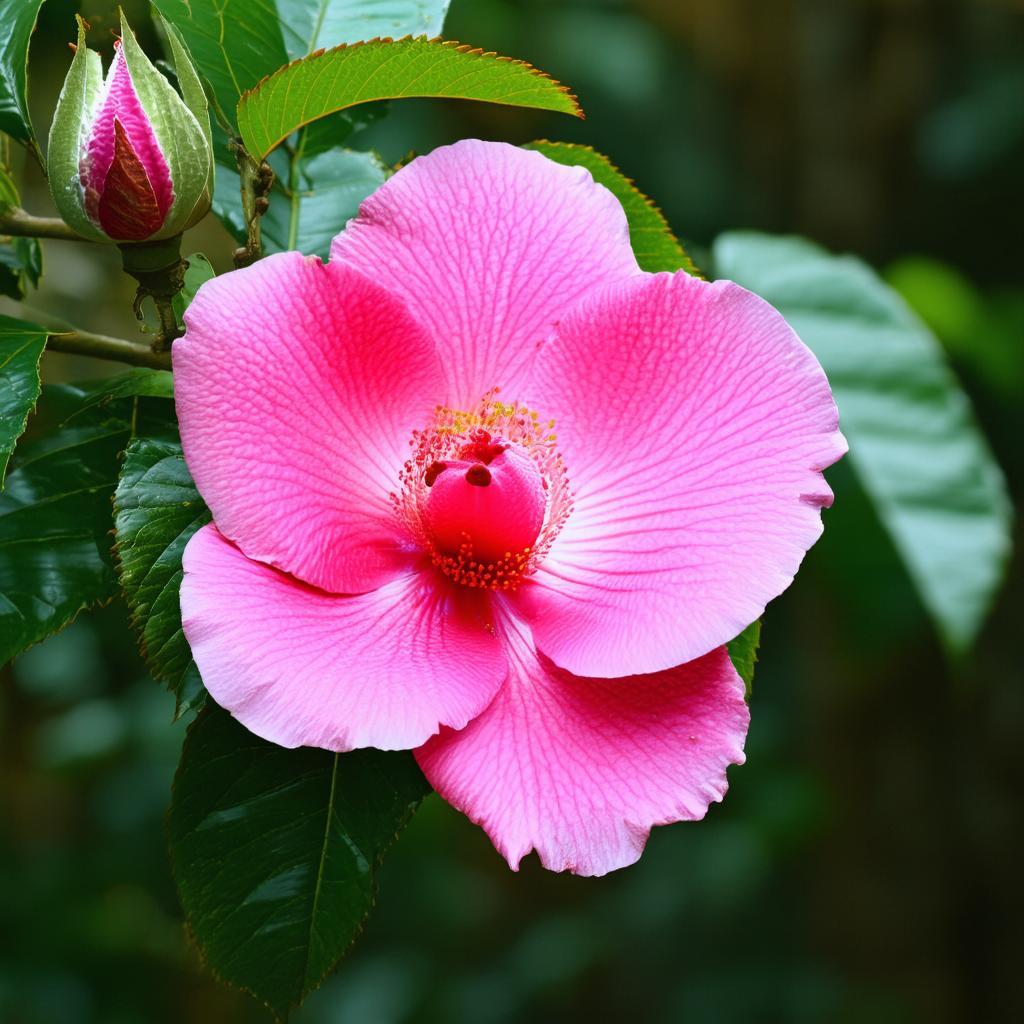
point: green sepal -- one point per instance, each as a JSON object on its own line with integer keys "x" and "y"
{"x": 193, "y": 94}
{"x": 183, "y": 138}
{"x": 75, "y": 108}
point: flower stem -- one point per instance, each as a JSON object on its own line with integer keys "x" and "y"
{"x": 257, "y": 179}
{"x": 100, "y": 346}
{"x": 16, "y": 222}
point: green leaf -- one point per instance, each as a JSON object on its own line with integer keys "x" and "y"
{"x": 21, "y": 259}
{"x": 656, "y": 248}
{"x": 21, "y": 265}
{"x": 347, "y": 75}
{"x": 914, "y": 443}
{"x": 18, "y": 18}
{"x": 56, "y": 518}
{"x": 136, "y": 383}
{"x": 274, "y": 851}
{"x": 157, "y": 509}
{"x": 200, "y": 270}
{"x": 743, "y": 652}
{"x": 235, "y": 43}
{"x": 21, "y": 348}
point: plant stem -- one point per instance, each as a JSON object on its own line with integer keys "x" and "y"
{"x": 256, "y": 180}
{"x": 16, "y": 222}
{"x": 100, "y": 346}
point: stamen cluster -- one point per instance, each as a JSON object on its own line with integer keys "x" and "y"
{"x": 479, "y": 436}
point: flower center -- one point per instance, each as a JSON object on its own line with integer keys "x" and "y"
{"x": 485, "y": 492}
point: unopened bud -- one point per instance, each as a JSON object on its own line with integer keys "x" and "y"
{"x": 130, "y": 160}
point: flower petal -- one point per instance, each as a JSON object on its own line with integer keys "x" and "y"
{"x": 121, "y": 103}
{"x": 298, "y": 386}
{"x": 303, "y": 668}
{"x": 489, "y": 245}
{"x": 694, "y": 426}
{"x": 581, "y": 769}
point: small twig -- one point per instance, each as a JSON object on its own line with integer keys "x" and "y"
{"x": 15, "y": 221}
{"x": 100, "y": 346}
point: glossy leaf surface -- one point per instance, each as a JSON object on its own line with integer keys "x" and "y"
{"x": 21, "y": 348}
{"x": 56, "y": 517}
{"x": 18, "y": 18}
{"x": 274, "y": 851}
{"x": 157, "y": 509}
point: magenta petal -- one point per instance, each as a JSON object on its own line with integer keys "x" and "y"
{"x": 121, "y": 102}
{"x": 303, "y": 668}
{"x": 298, "y": 386}
{"x": 694, "y": 426}
{"x": 581, "y": 769}
{"x": 489, "y": 244}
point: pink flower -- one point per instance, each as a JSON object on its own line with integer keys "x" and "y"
{"x": 485, "y": 489}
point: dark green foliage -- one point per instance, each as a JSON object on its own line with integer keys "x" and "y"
{"x": 55, "y": 517}
{"x": 274, "y": 851}
{"x": 157, "y": 509}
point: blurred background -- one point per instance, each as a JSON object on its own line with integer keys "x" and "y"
{"x": 866, "y": 864}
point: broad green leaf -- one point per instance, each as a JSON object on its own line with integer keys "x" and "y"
{"x": 200, "y": 270}
{"x": 914, "y": 443}
{"x": 56, "y": 517}
{"x": 343, "y": 77}
{"x": 235, "y": 43}
{"x": 274, "y": 851}
{"x": 656, "y": 248}
{"x": 743, "y": 652}
{"x": 21, "y": 348}
{"x": 18, "y": 18}
{"x": 156, "y": 510}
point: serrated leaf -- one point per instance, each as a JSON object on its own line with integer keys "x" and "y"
{"x": 743, "y": 652}
{"x": 914, "y": 443}
{"x": 333, "y": 80}
{"x": 18, "y": 18}
{"x": 156, "y": 510}
{"x": 235, "y": 43}
{"x": 656, "y": 247}
{"x": 274, "y": 851}
{"x": 56, "y": 518}
{"x": 21, "y": 348}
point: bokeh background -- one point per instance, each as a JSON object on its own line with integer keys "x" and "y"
{"x": 866, "y": 865}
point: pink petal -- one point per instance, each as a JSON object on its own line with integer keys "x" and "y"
{"x": 581, "y": 769}
{"x": 298, "y": 387}
{"x": 303, "y": 668}
{"x": 694, "y": 426}
{"x": 120, "y": 101}
{"x": 489, "y": 245}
